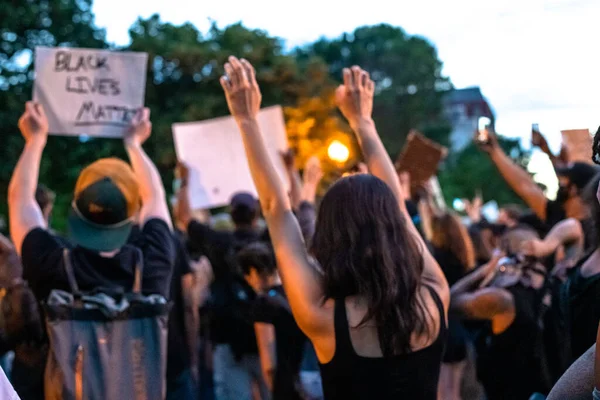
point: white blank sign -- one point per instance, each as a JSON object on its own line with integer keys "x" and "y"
{"x": 89, "y": 91}
{"x": 214, "y": 152}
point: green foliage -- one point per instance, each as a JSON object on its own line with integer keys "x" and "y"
{"x": 184, "y": 67}
{"x": 405, "y": 68}
{"x": 471, "y": 170}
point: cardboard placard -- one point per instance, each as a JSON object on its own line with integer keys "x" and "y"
{"x": 579, "y": 145}
{"x": 214, "y": 152}
{"x": 420, "y": 157}
{"x": 89, "y": 91}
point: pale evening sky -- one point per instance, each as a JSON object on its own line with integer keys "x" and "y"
{"x": 535, "y": 60}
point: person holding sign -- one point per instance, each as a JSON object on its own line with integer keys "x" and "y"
{"x": 109, "y": 196}
{"x": 375, "y": 309}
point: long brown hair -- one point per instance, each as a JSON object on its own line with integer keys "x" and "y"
{"x": 450, "y": 234}
{"x": 364, "y": 246}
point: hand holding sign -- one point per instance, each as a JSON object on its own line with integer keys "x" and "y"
{"x": 140, "y": 128}
{"x": 89, "y": 91}
{"x": 241, "y": 90}
{"x": 33, "y": 123}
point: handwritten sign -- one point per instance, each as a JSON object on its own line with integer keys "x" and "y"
{"x": 214, "y": 152}
{"x": 579, "y": 145}
{"x": 420, "y": 157}
{"x": 88, "y": 91}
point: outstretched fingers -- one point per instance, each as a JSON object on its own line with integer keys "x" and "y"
{"x": 239, "y": 72}
{"x": 250, "y": 72}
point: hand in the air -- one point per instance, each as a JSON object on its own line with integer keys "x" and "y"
{"x": 289, "y": 159}
{"x": 491, "y": 144}
{"x": 313, "y": 173}
{"x": 355, "y": 97}
{"x": 241, "y": 90}
{"x": 140, "y": 128}
{"x": 33, "y": 123}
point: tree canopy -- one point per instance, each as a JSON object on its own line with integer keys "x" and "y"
{"x": 184, "y": 66}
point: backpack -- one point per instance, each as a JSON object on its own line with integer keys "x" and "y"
{"x": 105, "y": 344}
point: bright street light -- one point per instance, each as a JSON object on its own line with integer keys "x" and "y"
{"x": 338, "y": 152}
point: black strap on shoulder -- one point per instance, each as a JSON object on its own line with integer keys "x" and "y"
{"x": 69, "y": 270}
{"x": 440, "y": 305}
{"x": 343, "y": 343}
{"x": 138, "y": 271}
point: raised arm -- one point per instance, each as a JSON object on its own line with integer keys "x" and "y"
{"x": 355, "y": 100}
{"x": 152, "y": 191}
{"x": 568, "y": 233}
{"x": 24, "y": 212}
{"x": 301, "y": 281}
{"x": 517, "y": 178}
{"x": 289, "y": 160}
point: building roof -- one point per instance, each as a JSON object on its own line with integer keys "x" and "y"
{"x": 466, "y": 95}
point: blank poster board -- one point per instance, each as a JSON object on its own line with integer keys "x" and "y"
{"x": 420, "y": 157}
{"x": 89, "y": 91}
{"x": 579, "y": 145}
{"x": 214, "y": 152}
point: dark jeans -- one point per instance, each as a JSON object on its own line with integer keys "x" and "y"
{"x": 182, "y": 387}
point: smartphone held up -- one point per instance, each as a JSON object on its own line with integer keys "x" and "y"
{"x": 484, "y": 125}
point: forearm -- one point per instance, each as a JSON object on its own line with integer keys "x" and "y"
{"x": 192, "y": 324}
{"x": 184, "y": 209}
{"x": 150, "y": 184}
{"x": 26, "y": 173}
{"x": 271, "y": 191}
{"x": 468, "y": 283}
{"x": 377, "y": 158}
{"x": 295, "y": 188}
{"x": 520, "y": 182}
{"x": 309, "y": 192}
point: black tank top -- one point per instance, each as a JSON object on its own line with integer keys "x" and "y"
{"x": 510, "y": 365}
{"x": 408, "y": 376}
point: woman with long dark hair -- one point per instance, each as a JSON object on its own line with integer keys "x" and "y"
{"x": 373, "y": 301}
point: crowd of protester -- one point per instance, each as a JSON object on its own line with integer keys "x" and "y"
{"x": 373, "y": 291}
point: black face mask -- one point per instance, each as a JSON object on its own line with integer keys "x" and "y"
{"x": 563, "y": 194}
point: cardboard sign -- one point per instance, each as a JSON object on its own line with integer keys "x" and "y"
{"x": 88, "y": 91}
{"x": 214, "y": 152}
{"x": 420, "y": 157}
{"x": 579, "y": 145}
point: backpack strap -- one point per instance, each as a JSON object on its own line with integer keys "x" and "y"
{"x": 69, "y": 270}
{"x": 138, "y": 272}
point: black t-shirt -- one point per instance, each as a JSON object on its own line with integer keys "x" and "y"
{"x": 43, "y": 267}
{"x": 178, "y": 351}
{"x": 273, "y": 308}
{"x": 451, "y": 266}
{"x": 584, "y": 309}
{"x": 229, "y": 290}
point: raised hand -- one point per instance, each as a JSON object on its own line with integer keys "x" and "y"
{"x": 182, "y": 171}
{"x": 355, "y": 97}
{"x": 312, "y": 171}
{"x": 289, "y": 159}
{"x": 241, "y": 90}
{"x": 140, "y": 128}
{"x": 33, "y": 123}
{"x": 491, "y": 144}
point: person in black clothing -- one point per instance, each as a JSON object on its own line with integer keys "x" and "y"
{"x": 109, "y": 195}
{"x": 506, "y": 294}
{"x": 272, "y": 310}
{"x": 236, "y": 362}
{"x": 572, "y": 180}
{"x": 453, "y": 250}
{"x": 372, "y": 299}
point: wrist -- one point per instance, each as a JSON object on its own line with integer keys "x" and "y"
{"x": 245, "y": 120}
{"x": 361, "y": 122}
{"x": 131, "y": 144}
{"x": 36, "y": 141}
